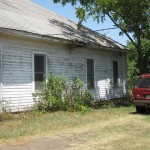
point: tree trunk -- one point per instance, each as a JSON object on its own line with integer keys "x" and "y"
{"x": 141, "y": 63}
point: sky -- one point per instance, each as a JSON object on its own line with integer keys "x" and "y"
{"x": 68, "y": 11}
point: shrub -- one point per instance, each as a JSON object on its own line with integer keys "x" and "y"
{"x": 61, "y": 93}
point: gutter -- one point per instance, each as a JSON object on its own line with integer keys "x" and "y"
{"x": 72, "y": 43}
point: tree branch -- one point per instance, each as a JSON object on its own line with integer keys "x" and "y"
{"x": 122, "y": 30}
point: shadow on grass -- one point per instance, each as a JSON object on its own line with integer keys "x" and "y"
{"x": 147, "y": 112}
{"x": 117, "y": 102}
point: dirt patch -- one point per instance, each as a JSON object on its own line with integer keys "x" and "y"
{"x": 45, "y": 143}
{"x": 74, "y": 139}
{"x": 119, "y": 133}
{"x": 62, "y": 142}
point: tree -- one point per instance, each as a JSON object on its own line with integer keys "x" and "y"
{"x": 131, "y": 16}
{"x": 133, "y": 69}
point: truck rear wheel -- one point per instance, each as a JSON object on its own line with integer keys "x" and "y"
{"x": 140, "y": 109}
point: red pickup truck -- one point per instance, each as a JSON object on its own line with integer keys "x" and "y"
{"x": 141, "y": 93}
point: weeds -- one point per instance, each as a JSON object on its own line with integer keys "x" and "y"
{"x": 61, "y": 93}
{"x": 5, "y": 116}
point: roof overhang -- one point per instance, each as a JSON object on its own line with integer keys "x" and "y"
{"x": 70, "y": 43}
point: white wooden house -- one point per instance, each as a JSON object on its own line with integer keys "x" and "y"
{"x": 35, "y": 41}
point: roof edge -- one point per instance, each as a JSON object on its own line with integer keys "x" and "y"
{"x": 71, "y": 43}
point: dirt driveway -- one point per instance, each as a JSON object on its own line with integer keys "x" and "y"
{"x": 62, "y": 141}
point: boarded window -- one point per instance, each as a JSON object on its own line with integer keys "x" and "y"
{"x": 39, "y": 71}
{"x": 90, "y": 73}
{"x": 115, "y": 73}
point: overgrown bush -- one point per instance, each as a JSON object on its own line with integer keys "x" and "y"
{"x": 61, "y": 93}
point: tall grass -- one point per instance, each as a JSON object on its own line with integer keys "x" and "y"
{"x": 30, "y": 124}
{"x": 106, "y": 128}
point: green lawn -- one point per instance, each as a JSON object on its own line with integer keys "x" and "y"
{"x": 108, "y": 128}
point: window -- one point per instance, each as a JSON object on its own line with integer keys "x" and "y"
{"x": 115, "y": 73}
{"x": 90, "y": 73}
{"x": 143, "y": 82}
{"x": 39, "y": 71}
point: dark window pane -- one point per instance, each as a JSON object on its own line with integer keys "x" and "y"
{"x": 115, "y": 72}
{"x": 39, "y": 63}
{"x": 143, "y": 83}
{"x": 39, "y": 77}
{"x": 90, "y": 73}
{"x": 90, "y": 81}
{"x": 90, "y": 66}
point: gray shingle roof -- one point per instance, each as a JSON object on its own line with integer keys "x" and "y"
{"x": 24, "y": 15}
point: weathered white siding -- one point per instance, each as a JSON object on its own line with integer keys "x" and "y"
{"x": 17, "y": 69}
{"x": 17, "y": 76}
{"x": 0, "y": 75}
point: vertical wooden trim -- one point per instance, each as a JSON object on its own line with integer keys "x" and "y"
{"x": 1, "y": 70}
{"x": 33, "y": 85}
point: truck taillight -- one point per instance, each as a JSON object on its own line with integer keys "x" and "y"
{"x": 137, "y": 97}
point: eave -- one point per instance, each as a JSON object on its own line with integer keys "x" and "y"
{"x": 70, "y": 43}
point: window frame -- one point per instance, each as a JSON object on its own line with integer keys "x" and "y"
{"x": 93, "y": 73}
{"x": 33, "y": 68}
{"x": 115, "y": 85}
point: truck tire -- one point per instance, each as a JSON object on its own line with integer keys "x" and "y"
{"x": 140, "y": 109}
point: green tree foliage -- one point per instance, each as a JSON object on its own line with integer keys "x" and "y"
{"x": 131, "y": 16}
{"x": 133, "y": 69}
